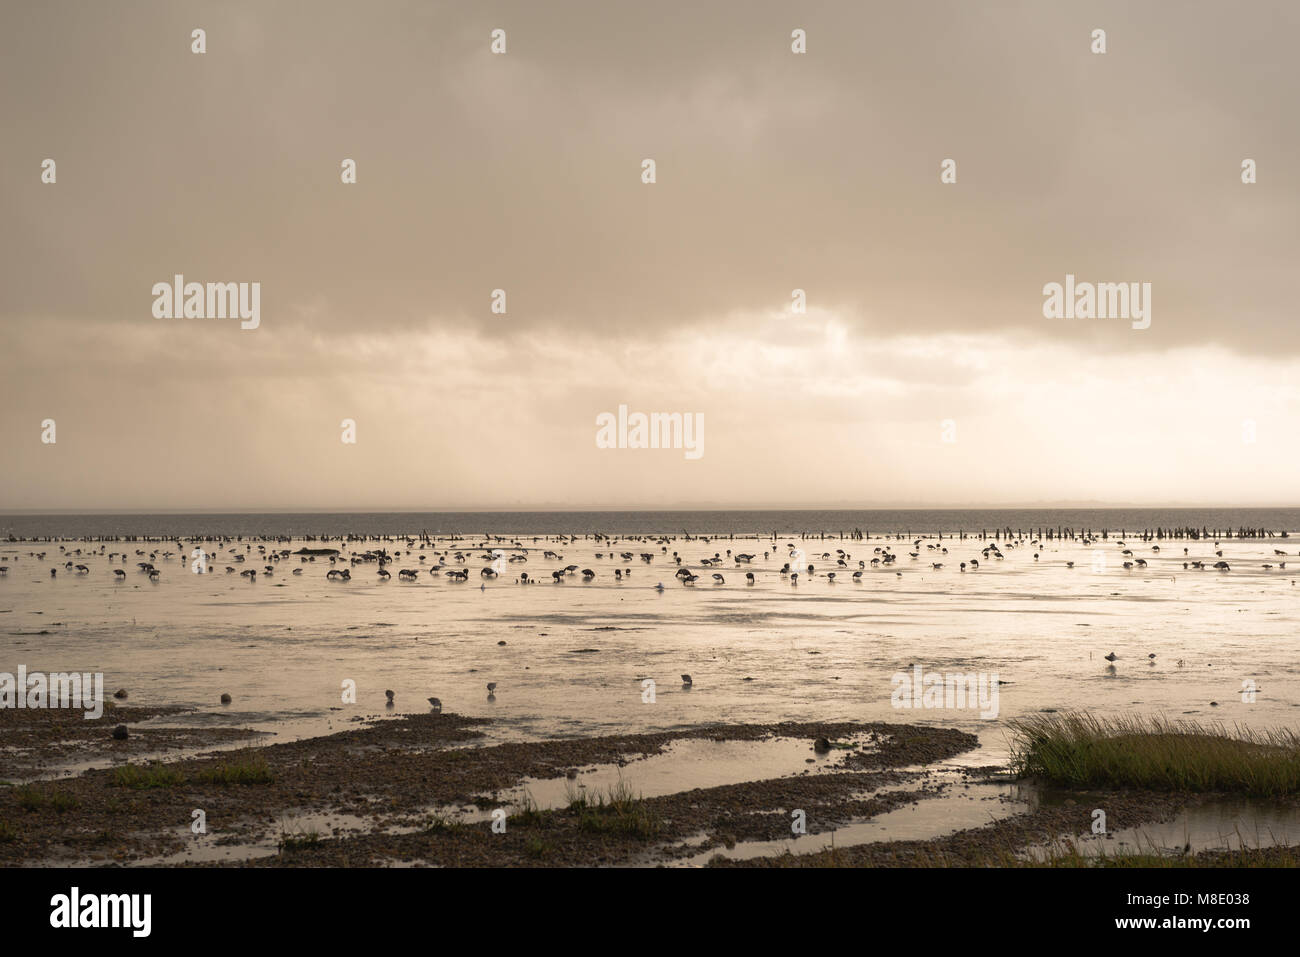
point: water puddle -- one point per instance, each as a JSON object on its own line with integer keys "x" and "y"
{"x": 1221, "y": 825}
{"x": 686, "y": 765}
{"x": 957, "y": 808}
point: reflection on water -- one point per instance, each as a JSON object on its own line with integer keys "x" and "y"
{"x": 570, "y": 658}
{"x": 1216, "y": 825}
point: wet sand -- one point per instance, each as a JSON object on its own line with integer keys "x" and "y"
{"x": 428, "y": 790}
{"x": 38, "y": 743}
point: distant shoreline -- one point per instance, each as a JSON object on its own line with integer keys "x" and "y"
{"x": 852, "y": 524}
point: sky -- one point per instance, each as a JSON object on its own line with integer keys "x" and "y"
{"x": 923, "y": 371}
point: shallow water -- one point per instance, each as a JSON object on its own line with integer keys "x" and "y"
{"x": 933, "y": 817}
{"x": 1214, "y": 826}
{"x": 576, "y": 653}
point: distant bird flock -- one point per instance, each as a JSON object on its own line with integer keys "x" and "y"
{"x": 487, "y": 561}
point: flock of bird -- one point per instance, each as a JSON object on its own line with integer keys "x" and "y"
{"x": 454, "y": 565}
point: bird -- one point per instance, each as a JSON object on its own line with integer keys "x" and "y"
{"x": 1111, "y": 657}
{"x": 436, "y": 704}
{"x": 491, "y": 686}
{"x": 686, "y": 681}
{"x": 390, "y": 696}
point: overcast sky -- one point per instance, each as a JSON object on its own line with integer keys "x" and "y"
{"x": 522, "y": 171}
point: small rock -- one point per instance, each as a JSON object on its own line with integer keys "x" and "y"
{"x": 120, "y": 733}
{"x": 119, "y": 693}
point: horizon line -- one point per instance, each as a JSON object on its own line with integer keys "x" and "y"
{"x": 499, "y": 510}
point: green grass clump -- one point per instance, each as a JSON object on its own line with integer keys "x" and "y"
{"x": 301, "y": 841}
{"x": 619, "y": 811}
{"x": 538, "y": 848}
{"x": 527, "y": 812}
{"x": 442, "y": 824}
{"x": 143, "y": 777}
{"x": 32, "y": 798}
{"x": 252, "y": 770}
{"x": 1080, "y": 750}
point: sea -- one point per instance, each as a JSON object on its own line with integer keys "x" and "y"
{"x": 607, "y": 653}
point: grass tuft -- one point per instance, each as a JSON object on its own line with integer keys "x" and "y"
{"x": 252, "y": 770}
{"x": 302, "y": 841}
{"x": 442, "y": 824}
{"x": 527, "y": 812}
{"x": 1077, "y": 750}
{"x": 538, "y": 848}
{"x": 619, "y": 811}
{"x": 142, "y": 777}
{"x": 32, "y": 798}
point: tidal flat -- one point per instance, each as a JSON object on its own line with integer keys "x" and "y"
{"x": 433, "y": 790}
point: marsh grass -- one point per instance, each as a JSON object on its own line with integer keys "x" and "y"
{"x": 143, "y": 777}
{"x": 442, "y": 824}
{"x": 298, "y": 842}
{"x": 33, "y": 798}
{"x": 251, "y": 770}
{"x": 538, "y": 848}
{"x": 297, "y": 839}
{"x": 1080, "y": 750}
{"x": 618, "y": 811}
{"x": 527, "y": 811}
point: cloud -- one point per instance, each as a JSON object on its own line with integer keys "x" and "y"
{"x": 522, "y": 172}
{"x": 798, "y": 410}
